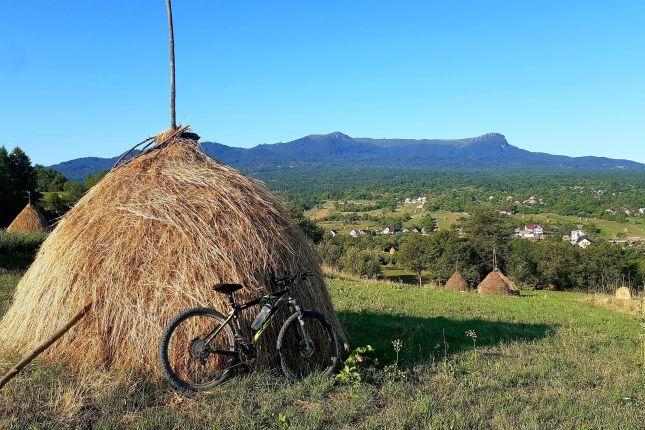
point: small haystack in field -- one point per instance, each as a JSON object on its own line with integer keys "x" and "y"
{"x": 551, "y": 287}
{"x": 28, "y": 221}
{"x": 623, "y": 293}
{"x": 457, "y": 283}
{"x": 149, "y": 241}
{"x": 496, "y": 283}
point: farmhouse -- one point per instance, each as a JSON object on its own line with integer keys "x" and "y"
{"x": 576, "y": 236}
{"x": 531, "y": 231}
{"x": 390, "y": 229}
{"x": 333, "y": 233}
{"x": 530, "y": 201}
{"x": 584, "y": 243}
{"x": 353, "y": 233}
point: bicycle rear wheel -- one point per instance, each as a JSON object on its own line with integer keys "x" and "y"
{"x": 307, "y": 346}
{"x": 186, "y": 360}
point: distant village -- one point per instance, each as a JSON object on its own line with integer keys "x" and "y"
{"x": 530, "y": 231}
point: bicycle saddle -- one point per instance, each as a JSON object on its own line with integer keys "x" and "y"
{"x": 227, "y": 288}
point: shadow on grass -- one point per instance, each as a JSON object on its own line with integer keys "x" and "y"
{"x": 423, "y": 338}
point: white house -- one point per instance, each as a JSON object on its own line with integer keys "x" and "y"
{"x": 353, "y": 233}
{"x": 530, "y": 201}
{"x": 333, "y": 233}
{"x": 506, "y": 211}
{"x": 536, "y": 229}
{"x": 576, "y": 236}
{"x": 531, "y": 231}
{"x": 584, "y": 242}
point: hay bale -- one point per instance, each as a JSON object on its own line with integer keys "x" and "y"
{"x": 496, "y": 283}
{"x": 551, "y": 287}
{"x": 28, "y": 221}
{"x": 148, "y": 241}
{"x": 623, "y": 293}
{"x": 456, "y": 283}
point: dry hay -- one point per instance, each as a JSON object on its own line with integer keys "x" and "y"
{"x": 148, "y": 241}
{"x": 496, "y": 283}
{"x": 623, "y": 293}
{"x": 457, "y": 283}
{"x": 28, "y": 221}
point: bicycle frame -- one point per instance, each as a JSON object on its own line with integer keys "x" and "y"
{"x": 284, "y": 298}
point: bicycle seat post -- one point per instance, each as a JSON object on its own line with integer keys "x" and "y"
{"x": 231, "y": 300}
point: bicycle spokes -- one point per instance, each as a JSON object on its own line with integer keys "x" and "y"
{"x": 193, "y": 359}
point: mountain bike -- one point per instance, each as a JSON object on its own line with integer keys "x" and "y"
{"x": 201, "y": 347}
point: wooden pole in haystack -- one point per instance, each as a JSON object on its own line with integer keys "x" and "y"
{"x": 43, "y": 346}
{"x": 173, "y": 122}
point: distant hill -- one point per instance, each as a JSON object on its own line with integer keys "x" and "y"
{"x": 337, "y": 149}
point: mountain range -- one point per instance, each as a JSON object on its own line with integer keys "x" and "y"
{"x": 490, "y": 150}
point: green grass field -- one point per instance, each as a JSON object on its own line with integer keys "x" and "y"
{"x": 545, "y": 360}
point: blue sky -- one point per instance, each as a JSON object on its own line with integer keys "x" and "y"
{"x": 90, "y": 77}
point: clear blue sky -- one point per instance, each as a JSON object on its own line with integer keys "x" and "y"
{"x": 90, "y": 77}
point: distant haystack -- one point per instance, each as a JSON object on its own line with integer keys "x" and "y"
{"x": 149, "y": 241}
{"x": 623, "y": 293}
{"x": 28, "y": 221}
{"x": 497, "y": 283}
{"x": 456, "y": 283}
{"x": 551, "y": 287}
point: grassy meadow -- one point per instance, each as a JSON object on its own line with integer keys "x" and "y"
{"x": 543, "y": 360}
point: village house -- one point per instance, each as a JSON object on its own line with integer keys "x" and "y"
{"x": 421, "y": 200}
{"x": 390, "y": 229}
{"x": 576, "y": 235}
{"x": 530, "y": 201}
{"x": 353, "y": 233}
{"x": 333, "y": 233}
{"x": 506, "y": 211}
{"x": 584, "y": 243}
{"x": 531, "y": 232}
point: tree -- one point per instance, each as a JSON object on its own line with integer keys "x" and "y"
{"x": 48, "y": 179}
{"x": 24, "y": 178}
{"x": 91, "y": 180}
{"x": 308, "y": 227}
{"x": 413, "y": 254}
{"x": 448, "y": 253}
{"x": 361, "y": 262}
{"x": 331, "y": 254}
{"x": 489, "y": 231}
{"x": 6, "y": 189}
{"x": 428, "y": 222}
{"x": 18, "y": 179}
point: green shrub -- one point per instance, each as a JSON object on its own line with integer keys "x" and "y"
{"x": 17, "y": 251}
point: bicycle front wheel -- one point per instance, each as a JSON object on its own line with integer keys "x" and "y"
{"x": 192, "y": 357}
{"x": 307, "y": 345}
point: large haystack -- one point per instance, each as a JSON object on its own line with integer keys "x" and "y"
{"x": 457, "y": 283}
{"x": 496, "y": 283}
{"x": 149, "y": 241}
{"x": 28, "y": 221}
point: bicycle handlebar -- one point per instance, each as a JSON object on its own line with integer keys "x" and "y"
{"x": 289, "y": 279}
